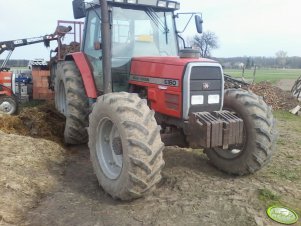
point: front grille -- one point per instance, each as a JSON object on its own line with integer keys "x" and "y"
{"x": 206, "y": 80}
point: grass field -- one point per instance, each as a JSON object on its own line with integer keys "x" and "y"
{"x": 271, "y": 75}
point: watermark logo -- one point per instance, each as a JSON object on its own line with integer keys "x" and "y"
{"x": 282, "y": 215}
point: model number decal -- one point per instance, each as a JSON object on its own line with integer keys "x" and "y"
{"x": 159, "y": 81}
{"x": 171, "y": 82}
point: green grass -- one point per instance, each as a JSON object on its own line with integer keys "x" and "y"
{"x": 287, "y": 174}
{"x": 285, "y": 115}
{"x": 294, "y": 120}
{"x": 267, "y": 195}
{"x": 271, "y": 75}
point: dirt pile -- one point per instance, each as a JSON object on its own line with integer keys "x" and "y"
{"x": 274, "y": 96}
{"x": 39, "y": 122}
{"x": 29, "y": 169}
{"x": 66, "y": 49}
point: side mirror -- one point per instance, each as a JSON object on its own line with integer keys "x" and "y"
{"x": 199, "y": 24}
{"x": 79, "y": 10}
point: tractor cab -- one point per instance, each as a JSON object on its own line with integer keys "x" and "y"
{"x": 137, "y": 29}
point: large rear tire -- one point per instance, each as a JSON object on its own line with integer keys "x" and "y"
{"x": 125, "y": 145}
{"x": 259, "y": 135}
{"x": 71, "y": 100}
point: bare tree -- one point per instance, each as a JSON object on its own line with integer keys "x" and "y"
{"x": 281, "y": 58}
{"x": 206, "y": 42}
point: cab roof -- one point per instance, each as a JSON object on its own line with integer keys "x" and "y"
{"x": 171, "y": 5}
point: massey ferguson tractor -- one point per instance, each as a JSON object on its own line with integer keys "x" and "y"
{"x": 130, "y": 91}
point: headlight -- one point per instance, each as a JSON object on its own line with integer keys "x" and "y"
{"x": 197, "y": 99}
{"x": 172, "y": 5}
{"x": 162, "y": 3}
{"x": 213, "y": 99}
{"x": 132, "y": 1}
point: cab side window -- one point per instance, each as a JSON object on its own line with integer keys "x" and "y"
{"x": 92, "y": 47}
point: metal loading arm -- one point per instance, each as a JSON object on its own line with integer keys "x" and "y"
{"x": 10, "y": 45}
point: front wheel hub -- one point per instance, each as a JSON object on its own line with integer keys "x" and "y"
{"x": 109, "y": 149}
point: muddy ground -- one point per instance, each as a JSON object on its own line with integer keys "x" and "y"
{"x": 192, "y": 191}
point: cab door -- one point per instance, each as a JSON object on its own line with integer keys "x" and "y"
{"x": 92, "y": 46}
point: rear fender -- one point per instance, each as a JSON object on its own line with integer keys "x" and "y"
{"x": 4, "y": 91}
{"x": 85, "y": 69}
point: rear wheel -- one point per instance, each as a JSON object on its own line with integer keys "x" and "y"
{"x": 259, "y": 135}
{"x": 125, "y": 145}
{"x": 72, "y": 101}
{"x": 8, "y": 105}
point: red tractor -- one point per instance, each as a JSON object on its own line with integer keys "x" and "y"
{"x": 136, "y": 92}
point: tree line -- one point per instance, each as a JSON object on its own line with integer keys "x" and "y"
{"x": 208, "y": 41}
{"x": 263, "y": 62}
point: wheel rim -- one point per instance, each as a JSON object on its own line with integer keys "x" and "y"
{"x": 7, "y": 107}
{"x": 231, "y": 153}
{"x": 62, "y": 99}
{"x": 109, "y": 149}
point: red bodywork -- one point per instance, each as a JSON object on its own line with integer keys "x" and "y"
{"x": 6, "y": 83}
{"x": 164, "y": 98}
{"x": 85, "y": 69}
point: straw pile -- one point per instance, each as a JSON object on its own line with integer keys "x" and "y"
{"x": 39, "y": 122}
{"x": 29, "y": 167}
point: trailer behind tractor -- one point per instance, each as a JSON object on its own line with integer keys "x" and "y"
{"x": 136, "y": 91}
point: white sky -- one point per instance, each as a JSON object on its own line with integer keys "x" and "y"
{"x": 244, "y": 27}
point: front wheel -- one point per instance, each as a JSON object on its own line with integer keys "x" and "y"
{"x": 259, "y": 136}
{"x": 125, "y": 145}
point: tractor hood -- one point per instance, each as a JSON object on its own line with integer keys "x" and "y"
{"x": 163, "y": 67}
{"x": 167, "y": 80}
{"x": 171, "y": 60}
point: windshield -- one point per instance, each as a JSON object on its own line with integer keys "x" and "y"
{"x": 142, "y": 33}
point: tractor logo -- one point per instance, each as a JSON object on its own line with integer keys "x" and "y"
{"x": 205, "y": 85}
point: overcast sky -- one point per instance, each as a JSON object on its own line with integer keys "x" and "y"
{"x": 244, "y": 27}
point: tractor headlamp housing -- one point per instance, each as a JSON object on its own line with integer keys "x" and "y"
{"x": 162, "y": 4}
{"x": 197, "y": 99}
{"x": 172, "y": 5}
{"x": 132, "y": 1}
{"x": 214, "y": 99}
